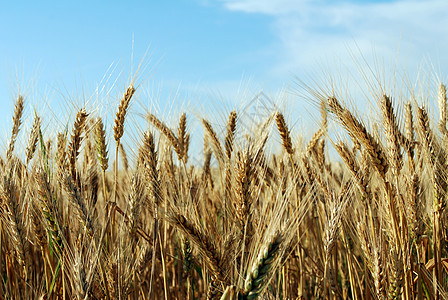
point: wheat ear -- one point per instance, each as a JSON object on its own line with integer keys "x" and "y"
{"x": 437, "y": 159}
{"x": 151, "y": 172}
{"x": 48, "y": 209}
{"x": 359, "y": 133}
{"x": 215, "y": 144}
{"x": 75, "y": 142}
{"x": 79, "y": 203}
{"x": 353, "y": 166}
{"x": 393, "y": 134}
{"x": 230, "y": 136}
{"x": 205, "y": 245}
{"x": 168, "y": 133}
{"x": 150, "y": 161}
{"x": 101, "y": 146}
{"x": 17, "y": 121}
{"x": 32, "y": 142}
{"x": 244, "y": 177}
{"x": 183, "y": 137}
{"x": 258, "y": 277}
{"x": 12, "y": 216}
{"x": 396, "y": 276}
{"x": 410, "y": 144}
{"x": 442, "y": 108}
{"x": 135, "y": 200}
{"x": 119, "y": 129}
{"x": 121, "y": 113}
{"x": 284, "y": 133}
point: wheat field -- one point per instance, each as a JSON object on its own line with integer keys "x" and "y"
{"x": 261, "y": 216}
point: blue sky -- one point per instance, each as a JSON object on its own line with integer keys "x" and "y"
{"x": 60, "y": 51}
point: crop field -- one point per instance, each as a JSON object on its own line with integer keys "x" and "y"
{"x": 355, "y": 210}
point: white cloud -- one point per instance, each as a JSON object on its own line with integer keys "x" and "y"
{"x": 278, "y": 7}
{"x": 313, "y": 32}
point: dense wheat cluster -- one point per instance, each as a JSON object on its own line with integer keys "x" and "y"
{"x": 246, "y": 222}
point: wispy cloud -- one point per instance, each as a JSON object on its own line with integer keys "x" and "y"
{"x": 310, "y": 32}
